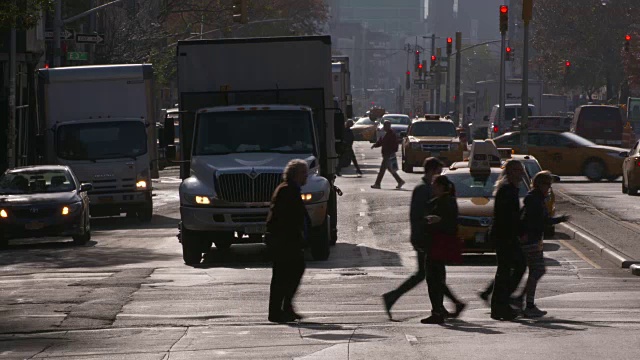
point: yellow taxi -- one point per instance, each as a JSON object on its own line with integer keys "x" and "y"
{"x": 567, "y": 154}
{"x": 631, "y": 170}
{"x": 475, "y": 182}
{"x": 429, "y": 137}
{"x": 364, "y": 129}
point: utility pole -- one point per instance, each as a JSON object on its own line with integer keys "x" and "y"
{"x": 11, "y": 128}
{"x": 448, "y": 73}
{"x": 437, "y": 74}
{"x": 527, "y": 12}
{"x": 504, "y": 26}
{"x": 57, "y": 28}
{"x": 457, "y": 80}
{"x": 433, "y": 91}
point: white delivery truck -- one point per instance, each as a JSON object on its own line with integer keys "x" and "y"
{"x": 553, "y": 104}
{"x": 99, "y": 121}
{"x": 342, "y": 84}
{"x": 241, "y": 124}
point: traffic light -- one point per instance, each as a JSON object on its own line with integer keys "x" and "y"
{"x": 626, "y": 42}
{"x": 433, "y": 61}
{"x": 408, "y": 80}
{"x": 508, "y": 54}
{"x": 420, "y": 69}
{"x": 567, "y": 69}
{"x": 449, "y": 46}
{"x": 504, "y": 18}
{"x": 240, "y": 11}
{"x": 417, "y": 60}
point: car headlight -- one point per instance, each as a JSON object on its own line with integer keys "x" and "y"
{"x": 70, "y": 209}
{"x": 313, "y": 196}
{"x": 203, "y": 200}
{"x": 141, "y": 184}
{"x": 3, "y": 214}
{"x": 415, "y": 146}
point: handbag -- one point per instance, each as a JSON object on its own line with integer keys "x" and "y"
{"x": 393, "y": 163}
{"x": 446, "y": 248}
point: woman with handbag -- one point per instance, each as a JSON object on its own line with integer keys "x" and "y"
{"x": 445, "y": 247}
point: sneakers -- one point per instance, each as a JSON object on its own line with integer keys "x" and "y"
{"x": 433, "y": 319}
{"x": 400, "y": 184}
{"x": 532, "y": 311}
{"x": 375, "y": 186}
{"x": 387, "y": 299}
{"x": 485, "y": 297}
{"x": 459, "y": 309}
{"x": 359, "y": 173}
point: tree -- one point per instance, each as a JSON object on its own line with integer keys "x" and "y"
{"x": 22, "y": 14}
{"x": 589, "y": 35}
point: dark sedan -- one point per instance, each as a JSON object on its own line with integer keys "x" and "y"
{"x": 42, "y": 201}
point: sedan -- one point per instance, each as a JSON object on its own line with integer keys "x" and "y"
{"x": 567, "y": 154}
{"x": 399, "y": 124}
{"x": 365, "y": 130}
{"x": 631, "y": 170}
{"x": 43, "y": 201}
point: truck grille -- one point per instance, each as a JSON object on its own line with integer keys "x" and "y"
{"x": 242, "y": 188}
{"x": 435, "y": 147}
{"x": 474, "y": 221}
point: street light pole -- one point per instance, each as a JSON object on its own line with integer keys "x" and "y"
{"x": 527, "y": 12}
{"x": 57, "y": 28}
{"x": 11, "y": 128}
{"x": 457, "y": 80}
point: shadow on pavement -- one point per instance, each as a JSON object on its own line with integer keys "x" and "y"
{"x": 347, "y": 333}
{"x": 126, "y": 223}
{"x": 552, "y": 323}
{"x": 463, "y": 326}
{"x": 550, "y": 247}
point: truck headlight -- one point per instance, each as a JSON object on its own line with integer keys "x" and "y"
{"x": 4, "y": 214}
{"x": 415, "y": 146}
{"x": 313, "y": 196}
{"x": 203, "y": 200}
{"x": 141, "y": 184}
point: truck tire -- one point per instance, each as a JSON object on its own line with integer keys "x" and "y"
{"x": 85, "y": 237}
{"x": 320, "y": 241}
{"x": 145, "y": 212}
{"x": 191, "y": 247}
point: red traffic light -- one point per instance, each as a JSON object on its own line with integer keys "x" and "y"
{"x": 419, "y": 66}
{"x": 417, "y": 52}
{"x": 567, "y": 63}
{"x": 508, "y": 49}
{"x": 504, "y": 9}
{"x": 628, "y": 37}
{"x": 449, "y": 40}
{"x": 433, "y": 58}
{"x": 408, "y": 72}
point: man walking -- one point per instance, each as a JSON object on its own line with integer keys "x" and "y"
{"x": 287, "y": 228}
{"x": 389, "y": 144}
{"x": 348, "y": 153}
{"x": 420, "y": 200}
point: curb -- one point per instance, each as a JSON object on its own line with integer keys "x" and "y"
{"x": 603, "y": 250}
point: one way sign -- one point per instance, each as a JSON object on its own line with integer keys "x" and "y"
{"x": 90, "y": 38}
{"x": 64, "y": 35}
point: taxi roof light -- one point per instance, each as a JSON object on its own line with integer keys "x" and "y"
{"x": 483, "y": 154}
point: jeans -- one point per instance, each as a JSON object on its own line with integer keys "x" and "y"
{"x": 511, "y": 268}
{"x": 535, "y": 263}
{"x": 412, "y": 281}
{"x": 352, "y": 156}
{"x": 386, "y": 165}
{"x": 286, "y": 275}
{"x": 438, "y": 289}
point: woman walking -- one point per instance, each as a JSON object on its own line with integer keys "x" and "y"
{"x": 442, "y": 224}
{"x": 505, "y": 232}
{"x": 534, "y": 220}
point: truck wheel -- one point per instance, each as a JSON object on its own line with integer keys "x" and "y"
{"x": 191, "y": 247}
{"x": 319, "y": 240}
{"x": 145, "y": 213}
{"x": 85, "y": 237}
{"x": 222, "y": 239}
{"x": 594, "y": 169}
{"x": 406, "y": 167}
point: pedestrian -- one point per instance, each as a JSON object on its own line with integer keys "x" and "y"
{"x": 420, "y": 207}
{"x": 535, "y": 219}
{"x": 348, "y": 153}
{"x": 287, "y": 228}
{"x": 389, "y": 144}
{"x": 442, "y": 224}
{"x": 505, "y": 232}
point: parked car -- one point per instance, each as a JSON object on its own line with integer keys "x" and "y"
{"x": 631, "y": 170}
{"x": 43, "y": 201}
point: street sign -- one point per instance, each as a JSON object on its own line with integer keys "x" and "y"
{"x": 76, "y": 55}
{"x": 420, "y": 82}
{"x": 90, "y": 38}
{"x": 66, "y": 34}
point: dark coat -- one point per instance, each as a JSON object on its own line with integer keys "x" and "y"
{"x": 535, "y": 217}
{"x": 389, "y": 143}
{"x": 506, "y": 216}
{"x": 287, "y": 220}
{"x": 347, "y": 137}
{"x": 446, "y": 208}
{"x": 420, "y": 207}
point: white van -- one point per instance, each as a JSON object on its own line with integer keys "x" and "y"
{"x": 511, "y": 111}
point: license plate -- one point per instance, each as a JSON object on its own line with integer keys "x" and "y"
{"x": 255, "y": 229}
{"x": 105, "y": 199}
{"x": 480, "y": 238}
{"x": 34, "y": 226}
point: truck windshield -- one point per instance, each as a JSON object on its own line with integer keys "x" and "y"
{"x": 433, "y": 128}
{"x": 283, "y": 131}
{"x": 101, "y": 140}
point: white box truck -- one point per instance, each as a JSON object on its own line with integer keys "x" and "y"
{"x": 342, "y": 84}
{"x": 241, "y": 124}
{"x": 99, "y": 120}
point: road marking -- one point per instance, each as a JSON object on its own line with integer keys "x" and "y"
{"x": 410, "y": 338}
{"x": 364, "y": 201}
{"x": 362, "y": 213}
{"x": 361, "y": 189}
{"x": 580, "y": 254}
{"x": 360, "y": 228}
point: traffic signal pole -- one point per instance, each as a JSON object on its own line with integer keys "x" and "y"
{"x": 433, "y": 91}
{"x": 504, "y": 23}
{"x": 456, "y": 110}
{"x": 527, "y": 11}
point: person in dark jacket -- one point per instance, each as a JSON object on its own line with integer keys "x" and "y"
{"x": 287, "y": 227}
{"x": 347, "y": 142}
{"x": 443, "y": 219}
{"x": 535, "y": 219}
{"x": 389, "y": 144}
{"x": 420, "y": 207}
{"x": 505, "y": 232}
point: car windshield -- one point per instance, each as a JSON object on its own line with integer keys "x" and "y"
{"x": 35, "y": 182}
{"x": 578, "y": 139}
{"x": 365, "y": 121}
{"x": 470, "y": 185}
{"x": 532, "y": 167}
{"x": 433, "y": 128}
{"x": 398, "y": 120}
{"x": 101, "y": 140}
{"x": 282, "y": 131}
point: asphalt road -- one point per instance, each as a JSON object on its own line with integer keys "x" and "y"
{"x": 127, "y": 294}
